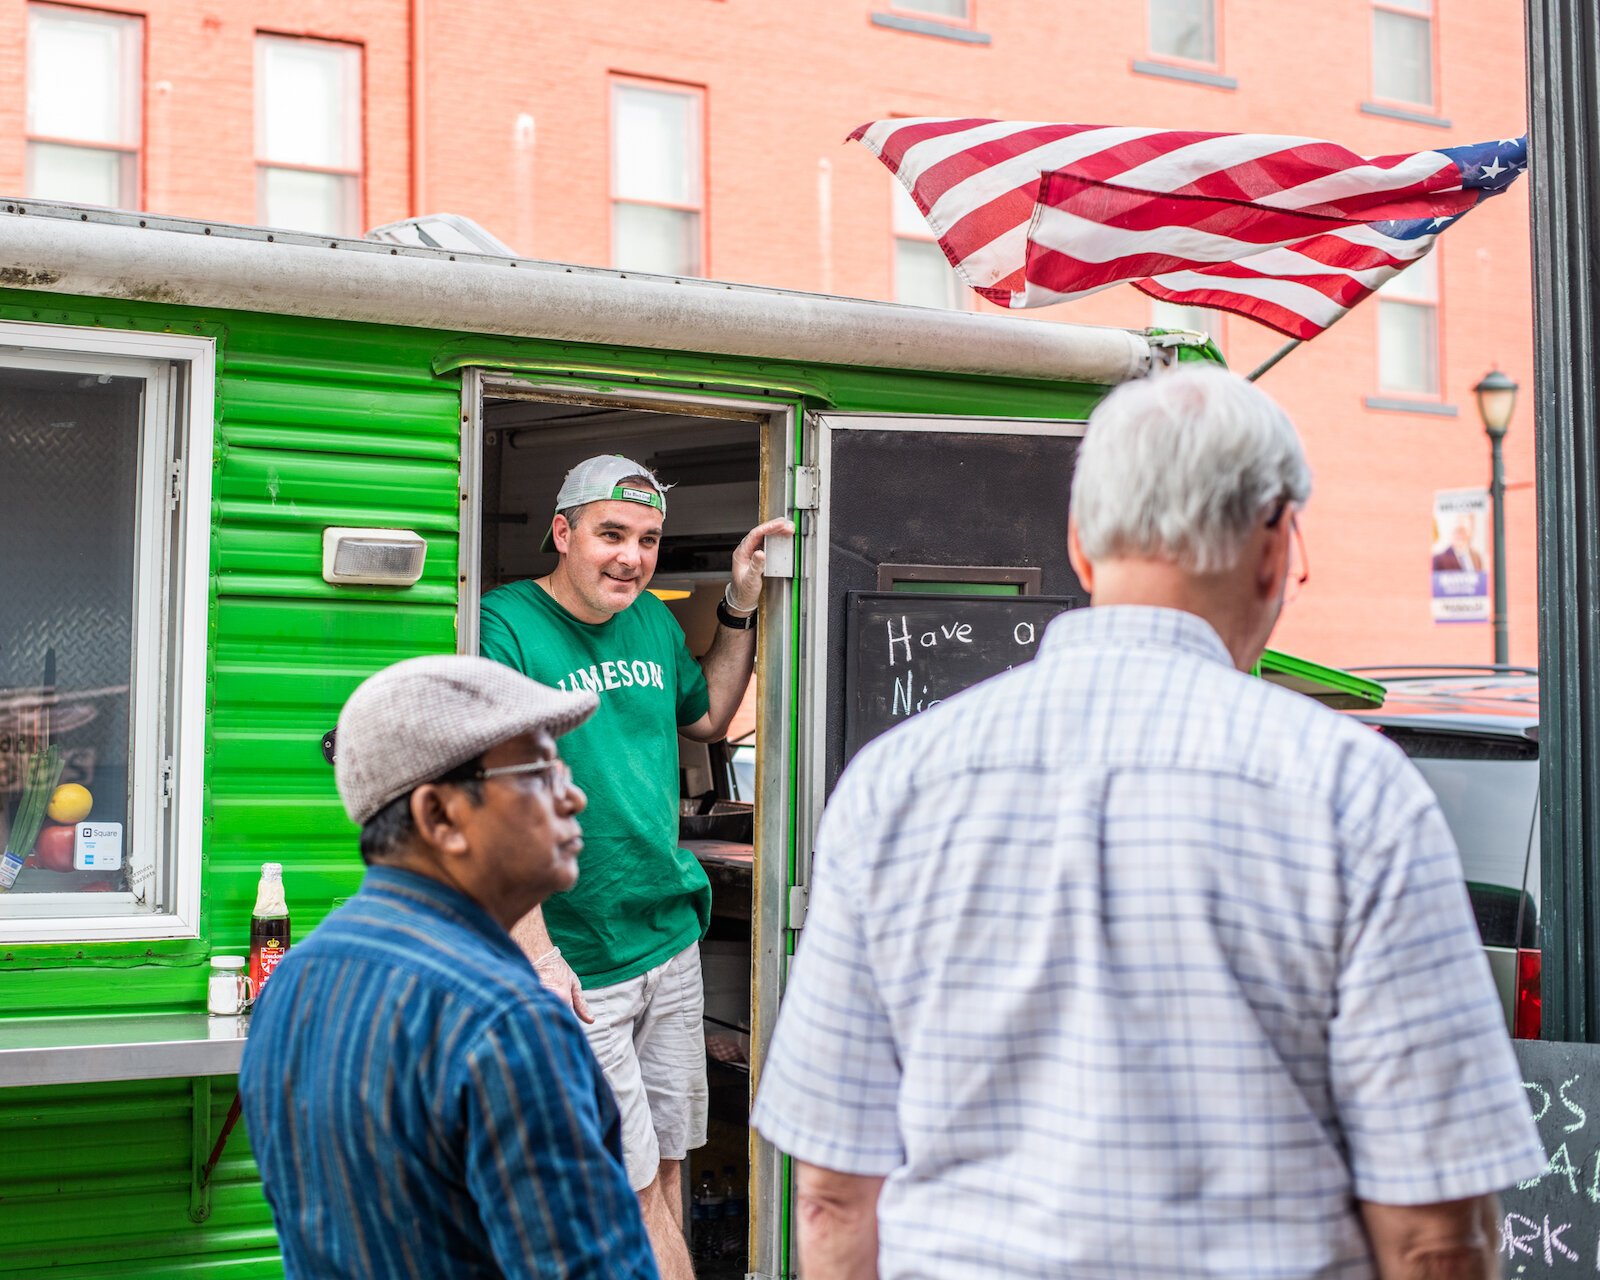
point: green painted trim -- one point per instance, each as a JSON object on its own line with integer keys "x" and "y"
{"x": 1327, "y": 685}
{"x": 173, "y": 953}
{"x": 1206, "y": 351}
{"x": 960, "y": 588}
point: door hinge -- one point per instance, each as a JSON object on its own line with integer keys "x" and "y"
{"x": 167, "y": 775}
{"x": 807, "y": 488}
{"x": 799, "y": 900}
{"x": 175, "y": 486}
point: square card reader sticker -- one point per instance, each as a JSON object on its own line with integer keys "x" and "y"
{"x": 97, "y": 846}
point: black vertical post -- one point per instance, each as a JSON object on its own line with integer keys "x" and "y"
{"x": 1564, "y": 129}
{"x": 1497, "y": 509}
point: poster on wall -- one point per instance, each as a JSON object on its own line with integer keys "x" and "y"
{"x": 1460, "y": 555}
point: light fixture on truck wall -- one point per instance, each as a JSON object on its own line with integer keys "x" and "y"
{"x": 372, "y": 557}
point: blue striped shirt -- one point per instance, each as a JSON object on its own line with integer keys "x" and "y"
{"x": 1126, "y": 964}
{"x": 420, "y": 1106}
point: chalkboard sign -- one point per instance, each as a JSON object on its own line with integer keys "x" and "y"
{"x": 909, "y": 651}
{"x": 1551, "y": 1226}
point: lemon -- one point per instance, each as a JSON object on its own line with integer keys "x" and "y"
{"x": 70, "y": 803}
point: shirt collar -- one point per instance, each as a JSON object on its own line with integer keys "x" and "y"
{"x": 434, "y": 895}
{"x": 1130, "y": 625}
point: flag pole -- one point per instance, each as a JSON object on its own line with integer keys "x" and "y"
{"x": 1273, "y": 359}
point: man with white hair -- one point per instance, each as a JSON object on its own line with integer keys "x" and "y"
{"x": 1126, "y": 963}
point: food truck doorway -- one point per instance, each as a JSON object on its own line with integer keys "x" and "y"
{"x": 729, "y": 465}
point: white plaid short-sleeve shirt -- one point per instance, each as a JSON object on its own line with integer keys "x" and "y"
{"x": 1127, "y": 964}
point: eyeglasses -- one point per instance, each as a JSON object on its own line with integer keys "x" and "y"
{"x": 1299, "y": 564}
{"x": 553, "y": 776}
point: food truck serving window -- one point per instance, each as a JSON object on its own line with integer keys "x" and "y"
{"x": 103, "y": 568}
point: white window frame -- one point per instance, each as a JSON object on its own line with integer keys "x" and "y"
{"x": 1430, "y": 18}
{"x": 907, "y": 223}
{"x": 171, "y": 599}
{"x": 131, "y": 145}
{"x": 696, "y": 93}
{"x": 1175, "y": 315}
{"x": 1397, "y": 291}
{"x": 1215, "y": 60}
{"x": 912, "y": 8}
{"x": 355, "y": 126}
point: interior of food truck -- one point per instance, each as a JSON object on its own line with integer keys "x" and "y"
{"x": 713, "y": 464}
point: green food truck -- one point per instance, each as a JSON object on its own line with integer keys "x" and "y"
{"x": 242, "y": 469}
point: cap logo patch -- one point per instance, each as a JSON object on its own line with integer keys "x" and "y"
{"x": 624, "y": 494}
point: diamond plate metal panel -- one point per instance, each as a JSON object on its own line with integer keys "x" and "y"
{"x": 67, "y": 518}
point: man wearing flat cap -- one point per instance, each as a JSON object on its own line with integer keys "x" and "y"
{"x": 418, "y": 1104}
{"x": 631, "y": 930}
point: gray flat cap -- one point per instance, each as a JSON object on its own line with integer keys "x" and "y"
{"x": 421, "y": 718}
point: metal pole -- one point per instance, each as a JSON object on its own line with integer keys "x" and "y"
{"x": 1273, "y": 359}
{"x": 1497, "y": 511}
{"x": 1564, "y": 137}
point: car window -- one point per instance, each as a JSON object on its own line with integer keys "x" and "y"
{"x": 1488, "y": 789}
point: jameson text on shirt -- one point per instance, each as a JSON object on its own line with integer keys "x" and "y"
{"x": 599, "y": 677}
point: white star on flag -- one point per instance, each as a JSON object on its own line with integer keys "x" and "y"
{"x": 1493, "y": 169}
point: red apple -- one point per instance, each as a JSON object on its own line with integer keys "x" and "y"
{"x": 53, "y": 852}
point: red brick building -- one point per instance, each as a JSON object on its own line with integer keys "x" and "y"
{"x": 705, "y": 137}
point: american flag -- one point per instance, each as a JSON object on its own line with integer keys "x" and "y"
{"x": 1290, "y": 231}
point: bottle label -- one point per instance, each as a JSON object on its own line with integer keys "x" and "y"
{"x": 263, "y": 960}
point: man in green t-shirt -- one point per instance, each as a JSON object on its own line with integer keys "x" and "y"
{"x": 623, "y": 944}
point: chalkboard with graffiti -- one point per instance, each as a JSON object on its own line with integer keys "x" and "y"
{"x": 1550, "y": 1225}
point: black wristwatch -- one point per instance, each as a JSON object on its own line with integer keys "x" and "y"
{"x": 728, "y": 618}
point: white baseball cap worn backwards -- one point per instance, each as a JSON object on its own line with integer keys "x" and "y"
{"x": 599, "y": 479}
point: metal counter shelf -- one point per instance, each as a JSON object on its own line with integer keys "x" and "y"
{"x": 89, "y": 1050}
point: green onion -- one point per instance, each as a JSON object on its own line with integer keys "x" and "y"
{"x": 41, "y": 774}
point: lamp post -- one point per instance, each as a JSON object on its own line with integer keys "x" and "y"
{"x": 1497, "y": 398}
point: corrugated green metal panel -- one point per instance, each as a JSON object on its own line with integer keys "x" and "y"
{"x": 318, "y": 425}
{"x": 322, "y": 440}
{"x": 341, "y": 416}
{"x": 95, "y": 1183}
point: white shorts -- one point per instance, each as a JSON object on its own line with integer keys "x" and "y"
{"x": 649, "y": 1036}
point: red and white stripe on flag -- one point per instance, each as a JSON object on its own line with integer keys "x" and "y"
{"x": 1290, "y": 231}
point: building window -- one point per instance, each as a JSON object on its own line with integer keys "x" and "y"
{"x": 84, "y": 95}
{"x": 1184, "y": 29}
{"x": 1408, "y": 329}
{"x": 923, "y": 276}
{"x": 657, "y": 179}
{"x": 1170, "y": 315}
{"x": 1402, "y": 51}
{"x": 105, "y": 522}
{"x": 308, "y": 135}
{"x": 950, "y": 10}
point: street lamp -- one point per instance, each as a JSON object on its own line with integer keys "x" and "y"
{"x": 1497, "y": 398}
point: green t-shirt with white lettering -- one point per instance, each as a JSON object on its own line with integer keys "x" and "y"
{"x": 640, "y": 899}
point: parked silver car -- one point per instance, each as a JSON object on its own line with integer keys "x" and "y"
{"x": 1473, "y": 733}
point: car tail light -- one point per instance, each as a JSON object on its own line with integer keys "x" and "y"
{"x": 1529, "y": 1001}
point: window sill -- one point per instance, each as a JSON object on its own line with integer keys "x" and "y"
{"x": 930, "y": 27}
{"x": 1401, "y": 113}
{"x": 1393, "y": 404}
{"x": 1189, "y": 75}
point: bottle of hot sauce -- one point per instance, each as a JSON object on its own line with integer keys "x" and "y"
{"x": 269, "y": 927}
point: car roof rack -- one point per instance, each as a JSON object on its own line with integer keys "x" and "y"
{"x": 1449, "y": 669}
